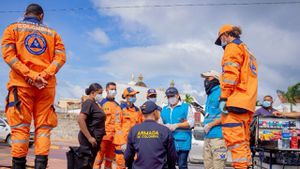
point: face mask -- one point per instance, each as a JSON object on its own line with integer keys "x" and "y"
{"x": 112, "y": 93}
{"x": 223, "y": 43}
{"x": 172, "y": 100}
{"x": 132, "y": 99}
{"x": 266, "y": 104}
{"x": 152, "y": 99}
{"x": 209, "y": 84}
{"x": 98, "y": 97}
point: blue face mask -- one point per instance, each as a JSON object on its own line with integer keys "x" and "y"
{"x": 132, "y": 99}
{"x": 266, "y": 104}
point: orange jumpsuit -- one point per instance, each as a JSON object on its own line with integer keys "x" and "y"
{"x": 107, "y": 151}
{"x": 129, "y": 117}
{"x": 31, "y": 49}
{"x": 239, "y": 87}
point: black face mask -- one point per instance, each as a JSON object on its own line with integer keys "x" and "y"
{"x": 209, "y": 84}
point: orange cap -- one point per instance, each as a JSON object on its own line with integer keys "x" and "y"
{"x": 223, "y": 29}
{"x": 128, "y": 92}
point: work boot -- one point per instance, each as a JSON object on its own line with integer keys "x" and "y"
{"x": 41, "y": 162}
{"x": 19, "y": 163}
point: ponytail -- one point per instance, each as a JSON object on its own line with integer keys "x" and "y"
{"x": 236, "y": 32}
{"x": 92, "y": 88}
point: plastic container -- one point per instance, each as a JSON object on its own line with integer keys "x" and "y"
{"x": 279, "y": 144}
{"x": 285, "y": 138}
{"x": 294, "y": 140}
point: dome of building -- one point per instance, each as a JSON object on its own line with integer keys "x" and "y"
{"x": 140, "y": 82}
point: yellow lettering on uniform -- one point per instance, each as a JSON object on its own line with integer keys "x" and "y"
{"x": 148, "y": 134}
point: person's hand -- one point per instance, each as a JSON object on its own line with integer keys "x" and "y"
{"x": 278, "y": 114}
{"x": 222, "y": 107}
{"x": 172, "y": 127}
{"x": 123, "y": 147}
{"x": 39, "y": 82}
{"x": 207, "y": 128}
{"x": 93, "y": 141}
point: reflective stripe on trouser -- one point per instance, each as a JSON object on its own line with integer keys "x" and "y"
{"x": 36, "y": 104}
{"x": 236, "y": 132}
{"x": 106, "y": 154}
{"x": 119, "y": 158}
{"x": 215, "y": 153}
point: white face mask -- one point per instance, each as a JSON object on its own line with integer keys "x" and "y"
{"x": 152, "y": 99}
{"x": 172, "y": 100}
{"x": 223, "y": 43}
{"x": 98, "y": 97}
{"x": 112, "y": 93}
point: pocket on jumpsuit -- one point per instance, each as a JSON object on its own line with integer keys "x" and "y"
{"x": 14, "y": 117}
{"x": 52, "y": 117}
{"x": 13, "y": 114}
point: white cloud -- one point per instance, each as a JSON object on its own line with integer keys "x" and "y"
{"x": 99, "y": 36}
{"x": 183, "y": 41}
{"x": 182, "y": 59}
{"x": 66, "y": 89}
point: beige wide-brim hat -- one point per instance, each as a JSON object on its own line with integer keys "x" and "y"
{"x": 212, "y": 73}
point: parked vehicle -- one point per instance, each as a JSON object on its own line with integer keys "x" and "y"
{"x": 196, "y": 153}
{"x": 5, "y": 131}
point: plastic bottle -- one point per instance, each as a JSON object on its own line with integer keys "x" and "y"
{"x": 279, "y": 144}
{"x": 285, "y": 138}
{"x": 294, "y": 140}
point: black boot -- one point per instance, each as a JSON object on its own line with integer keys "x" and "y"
{"x": 19, "y": 163}
{"x": 41, "y": 162}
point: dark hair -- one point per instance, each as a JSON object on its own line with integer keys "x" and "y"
{"x": 236, "y": 32}
{"x": 269, "y": 96}
{"x": 92, "y": 88}
{"x": 110, "y": 84}
{"x": 34, "y": 9}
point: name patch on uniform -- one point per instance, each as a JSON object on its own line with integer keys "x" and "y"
{"x": 35, "y": 44}
{"x": 148, "y": 134}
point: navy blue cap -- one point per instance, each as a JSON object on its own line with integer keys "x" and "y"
{"x": 171, "y": 91}
{"x": 151, "y": 92}
{"x": 149, "y": 107}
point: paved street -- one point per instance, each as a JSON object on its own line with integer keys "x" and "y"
{"x": 57, "y": 157}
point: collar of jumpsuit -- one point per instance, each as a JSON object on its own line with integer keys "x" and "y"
{"x": 32, "y": 19}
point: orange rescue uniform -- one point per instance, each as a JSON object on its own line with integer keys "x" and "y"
{"x": 31, "y": 49}
{"x": 107, "y": 151}
{"x": 129, "y": 117}
{"x": 239, "y": 87}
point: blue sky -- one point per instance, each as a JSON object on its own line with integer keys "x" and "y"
{"x": 163, "y": 44}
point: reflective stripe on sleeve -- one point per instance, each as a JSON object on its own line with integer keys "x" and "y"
{"x": 56, "y": 64}
{"x": 11, "y": 45}
{"x": 229, "y": 81}
{"x": 59, "y": 51}
{"x": 232, "y": 64}
{"x": 15, "y": 60}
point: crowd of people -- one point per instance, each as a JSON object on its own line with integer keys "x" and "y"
{"x": 147, "y": 137}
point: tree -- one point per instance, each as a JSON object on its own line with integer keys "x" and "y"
{"x": 293, "y": 94}
{"x": 189, "y": 99}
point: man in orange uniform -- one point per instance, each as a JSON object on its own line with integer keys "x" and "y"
{"x": 129, "y": 117}
{"x": 35, "y": 53}
{"x": 238, "y": 94}
{"x": 111, "y": 109}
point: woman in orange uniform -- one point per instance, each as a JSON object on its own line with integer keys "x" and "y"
{"x": 129, "y": 117}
